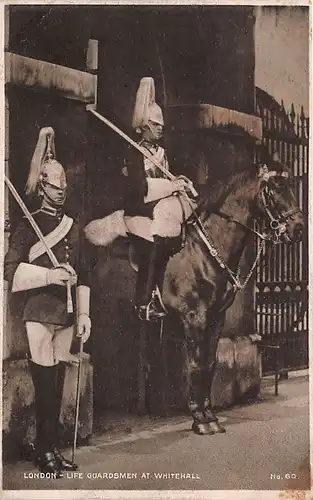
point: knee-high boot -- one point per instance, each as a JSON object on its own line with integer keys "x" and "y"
{"x": 45, "y": 396}
{"x": 151, "y": 307}
{"x": 63, "y": 463}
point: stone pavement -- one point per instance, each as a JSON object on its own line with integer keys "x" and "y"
{"x": 266, "y": 447}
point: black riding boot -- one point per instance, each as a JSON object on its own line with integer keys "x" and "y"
{"x": 63, "y": 463}
{"x": 44, "y": 383}
{"x": 151, "y": 307}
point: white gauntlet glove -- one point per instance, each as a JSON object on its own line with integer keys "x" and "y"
{"x": 179, "y": 185}
{"x": 83, "y": 327}
{"x": 83, "y": 306}
{"x": 61, "y": 275}
{"x": 29, "y": 276}
{"x": 183, "y": 184}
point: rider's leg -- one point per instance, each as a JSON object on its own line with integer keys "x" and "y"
{"x": 151, "y": 307}
{"x": 166, "y": 227}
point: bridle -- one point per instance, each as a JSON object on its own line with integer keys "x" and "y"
{"x": 276, "y": 228}
{"x": 277, "y": 220}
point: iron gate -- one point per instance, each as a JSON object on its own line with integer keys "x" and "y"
{"x": 281, "y": 298}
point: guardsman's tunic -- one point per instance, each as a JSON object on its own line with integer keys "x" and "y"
{"x": 149, "y": 193}
{"x": 48, "y": 304}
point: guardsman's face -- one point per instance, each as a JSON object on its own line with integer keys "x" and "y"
{"x": 53, "y": 183}
{"x": 153, "y": 132}
{"x": 54, "y": 195}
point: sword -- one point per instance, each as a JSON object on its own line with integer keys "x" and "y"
{"x": 79, "y": 376}
{"x": 41, "y": 237}
{"x": 146, "y": 154}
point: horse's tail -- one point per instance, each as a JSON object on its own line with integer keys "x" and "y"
{"x": 102, "y": 232}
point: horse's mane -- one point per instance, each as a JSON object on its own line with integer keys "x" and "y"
{"x": 214, "y": 194}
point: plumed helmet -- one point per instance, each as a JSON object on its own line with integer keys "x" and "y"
{"x": 44, "y": 166}
{"x": 145, "y": 106}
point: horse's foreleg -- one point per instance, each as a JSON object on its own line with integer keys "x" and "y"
{"x": 196, "y": 369}
{"x": 211, "y": 343}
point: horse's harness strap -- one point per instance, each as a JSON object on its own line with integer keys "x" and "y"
{"x": 209, "y": 244}
{"x": 183, "y": 231}
{"x": 262, "y": 236}
{"x": 235, "y": 277}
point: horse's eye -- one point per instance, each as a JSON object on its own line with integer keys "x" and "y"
{"x": 282, "y": 185}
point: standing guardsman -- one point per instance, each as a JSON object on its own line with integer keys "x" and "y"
{"x": 48, "y": 321}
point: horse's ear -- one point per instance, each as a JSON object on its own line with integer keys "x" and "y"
{"x": 263, "y": 171}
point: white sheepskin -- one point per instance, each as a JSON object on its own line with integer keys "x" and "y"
{"x": 102, "y": 232}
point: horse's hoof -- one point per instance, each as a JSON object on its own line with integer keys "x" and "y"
{"x": 201, "y": 429}
{"x": 216, "y": 427}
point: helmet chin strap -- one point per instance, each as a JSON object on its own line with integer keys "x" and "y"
{"x": 50, "y": 200}
{"x": 155, "y": 139}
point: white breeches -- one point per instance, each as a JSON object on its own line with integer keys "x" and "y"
{"x": 48, "y": 344}
{"x": 167, "y": 220}
{"x": 168, "y": 216}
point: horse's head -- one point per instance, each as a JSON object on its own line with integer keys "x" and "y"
{"x": 277, "y": 202}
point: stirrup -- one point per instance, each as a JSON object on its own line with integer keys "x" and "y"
{"x": 157, "y": 294}
{"x": 151, "y": 312}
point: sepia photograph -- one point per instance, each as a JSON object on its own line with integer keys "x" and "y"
{"x": 155, "y": 339}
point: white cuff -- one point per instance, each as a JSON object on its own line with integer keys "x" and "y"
{"x": 158, "y": 188}
{"x": 29, "y": 276}
{"x": 83, "y": 300}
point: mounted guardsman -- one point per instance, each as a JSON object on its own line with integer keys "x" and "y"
{"x": 49, "y": 290}
{"x": 152, "y": 209}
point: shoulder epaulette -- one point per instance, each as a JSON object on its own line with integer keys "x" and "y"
{"x": 32, "y": 213}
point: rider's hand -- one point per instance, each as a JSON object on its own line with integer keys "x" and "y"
{"x": 67, "y": 267}
{"x": 179, "y": 185}
{"x": 83, "y": 327}
{"x": 61, "y": 275}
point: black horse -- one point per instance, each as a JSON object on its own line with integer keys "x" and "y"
{"x": 197, "y": 278}
{"x": 196, "y": 286}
